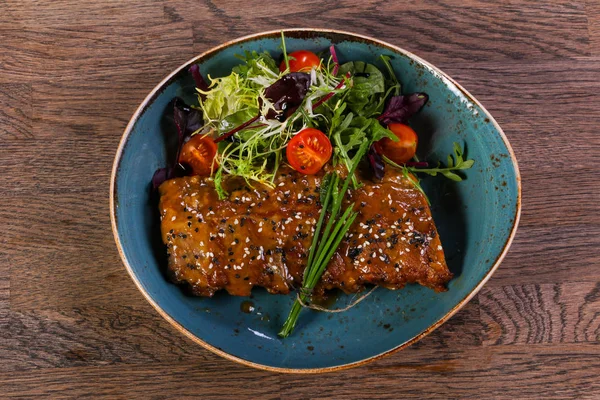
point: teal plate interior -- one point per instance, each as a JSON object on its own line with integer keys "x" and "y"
{"x": 476, "y": 218}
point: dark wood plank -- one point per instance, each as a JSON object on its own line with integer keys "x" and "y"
{"x": 438, "y": 31}
{"x": 94, "y": 336}
{"x": 15, "y": 111}
{"x": 107, "y": 37}
{"x": 592, "y": 9}
{"x": 502, "y": 372}
{"x": 59, "y": 244}
{"x": 168, "y": 380}
{"x": 551, "y": 254}
{"x": 549, "y": 313}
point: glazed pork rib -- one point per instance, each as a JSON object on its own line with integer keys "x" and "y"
{"x": 260, "y": 236}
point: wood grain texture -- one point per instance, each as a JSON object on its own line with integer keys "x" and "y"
{"x": 72, "y": 323}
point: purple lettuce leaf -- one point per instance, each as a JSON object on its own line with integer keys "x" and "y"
{"x": 199, "y": 79}
{"x": 187, "y": 121}
{"x": 376, "y": 163}
{"x": 400, "y": 108}
{"x": 287, "y": 94}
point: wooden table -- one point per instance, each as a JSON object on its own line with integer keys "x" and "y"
{"x": 72, "y": 322}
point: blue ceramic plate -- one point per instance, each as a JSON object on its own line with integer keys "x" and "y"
{"x": 476, "y": 218}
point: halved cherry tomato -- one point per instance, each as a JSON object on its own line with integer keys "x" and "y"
{"x": 308, "y": 151}
{"x": 301, "y": 61}
{"x": 402, "y": 150}
{"x": 199, "y": 153}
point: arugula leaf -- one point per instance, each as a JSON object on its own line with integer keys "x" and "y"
{"x": 458, "y": 163}
{"x": 392, "y": 81}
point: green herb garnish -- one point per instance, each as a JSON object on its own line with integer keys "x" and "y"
{"x": 324, "y": 245}
{"x": 456, "y": 164}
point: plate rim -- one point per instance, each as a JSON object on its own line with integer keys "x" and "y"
{"x": 265, "y": 34}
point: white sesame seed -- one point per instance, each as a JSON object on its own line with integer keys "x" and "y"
{"x": 382, "y": 258}
{"x": 370, "y": 194}
{"x": 299, "y": 196}
{"x": 389, "y": 244}
{"x": 376, "y": 236}
{"x": 439, "y": 247}
{"x": 233, "y": 243}
{"x": 236, "y": 222}
{"x": 373, "y": 254}
{"x": 252, "y": 205}
{"x": 173, "y": 218}
{"x": 381, "y": 251}
{"x": 259, "y": 229}
{"x": 210, "y": 266}
{"x": 281, "y": 184}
